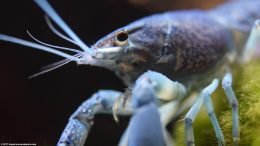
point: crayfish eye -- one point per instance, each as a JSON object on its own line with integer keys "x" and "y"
{"x": 121, "y": 38}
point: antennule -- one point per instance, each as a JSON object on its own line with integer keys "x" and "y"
{"x": 55, "y": 31}
{"x": 15, "y": 40}
{"x": 53, "y": 46}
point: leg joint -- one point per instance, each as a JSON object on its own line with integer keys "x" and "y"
{"x": 188, "y": 121}
{"x": 234, "y": 105}
{"x": 205, "y": 93}
{"x": 211, "y": 114}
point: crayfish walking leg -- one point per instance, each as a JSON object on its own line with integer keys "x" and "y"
{"x": 205, "y": 98}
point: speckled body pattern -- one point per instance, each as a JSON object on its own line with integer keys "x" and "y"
{"x": 189, "y": 47}
{"x": 182, "y": 44}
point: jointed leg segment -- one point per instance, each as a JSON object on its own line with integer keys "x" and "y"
{"x": 191, "y": 115}
{"x": 252, "y": 47}
{"x": 227, "y": 86}
{"x": 206, "y": 99}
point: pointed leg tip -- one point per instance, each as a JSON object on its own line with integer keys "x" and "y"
{"x": 236, "y": 140}
{"x": 190, "y": 143}
{"x": 221, "y": 142}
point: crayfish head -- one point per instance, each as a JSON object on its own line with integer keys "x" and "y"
{"x": 121, "y": 52}
{"x": 136, "y": 48}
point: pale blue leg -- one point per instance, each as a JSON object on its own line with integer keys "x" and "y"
{"x": 189, "y": 119}
{"x": 191, "y": 115}
{"x": 227, "y": 86}
{"x": 213, "y": 118}
{"x": 253, "y": 43}
{"x": 81, "y": 121}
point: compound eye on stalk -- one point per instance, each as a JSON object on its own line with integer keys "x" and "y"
{"x": 121, "y": 38}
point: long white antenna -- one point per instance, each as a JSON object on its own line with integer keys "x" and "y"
{"x": 15, "y": 40}
{"x": 47, "y": 8}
